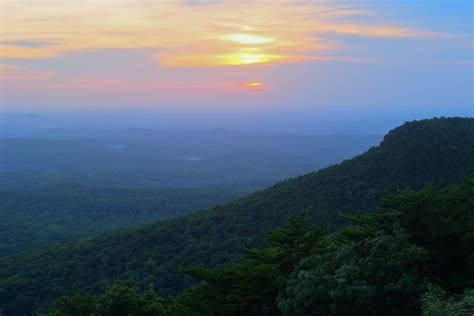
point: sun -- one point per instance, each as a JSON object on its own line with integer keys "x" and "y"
{"x": 253, "y": 84}
{"x": 244, "y": 58}
{"x": 248, "y": 39}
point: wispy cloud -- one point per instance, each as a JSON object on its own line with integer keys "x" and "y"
{"x": 20, "y": 73}
{"x": 32, "y": 44}
{"x": 194, "y": 33}
{"x": 252, "y": 86}
{"x": 19, "y": 51}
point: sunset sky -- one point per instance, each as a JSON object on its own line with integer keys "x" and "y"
{"x": 315, "y": 56}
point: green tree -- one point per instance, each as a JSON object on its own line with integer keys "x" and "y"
{"x": 442, "y": 222}
{"x": 383, "y": 263}
{"x": 437, "y": 302}
{"x": 77, "y": 305}
{"x": 251, "y": 287}
{"x": 119, "y": 300}
{"x": 375, "y": 276}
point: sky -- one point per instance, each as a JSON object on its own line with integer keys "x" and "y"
{"x": 237, "y": 63}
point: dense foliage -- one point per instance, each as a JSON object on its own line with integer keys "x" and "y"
{"x": 385, "y": 262}
{"x": 35, "y": 216}
{"x": 438, "y": 151}
{"x": 382, "y": 264}
{"x": 437, "y": 302}
{"x": 118, "y": 300}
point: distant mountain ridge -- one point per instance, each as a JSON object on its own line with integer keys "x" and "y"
{"x": 437, "y": 152}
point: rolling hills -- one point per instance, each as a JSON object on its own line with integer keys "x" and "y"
{"x": 436, "y": 152}
{"x": 62, "y": 185}
{"x": 37, "y": 216}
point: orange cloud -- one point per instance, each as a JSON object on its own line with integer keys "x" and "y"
{"x": 216, "y": 34}
{"x": 252, "y": 86}
{"x": 13, "y": 51}
{"x": 374, "y": 30}
{"x": 230, "y": 59}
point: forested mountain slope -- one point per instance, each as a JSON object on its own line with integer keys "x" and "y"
{"x": 437, "y": 152}
{"x": 35, "y": 216}
{"x": 411, "y": 257}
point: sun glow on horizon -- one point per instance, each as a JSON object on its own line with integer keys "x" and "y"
{"x": 253, "y": 84}
{"x": 250, "y": 58}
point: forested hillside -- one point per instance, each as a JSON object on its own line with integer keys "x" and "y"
{"x": 436, "y": 152}
{"x": 33, "y": 216}
{"x": 412, "y": 257}
{"x": 66, "y": 184}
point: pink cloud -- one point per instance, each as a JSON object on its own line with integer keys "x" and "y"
{"x": 20, "y": 73}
